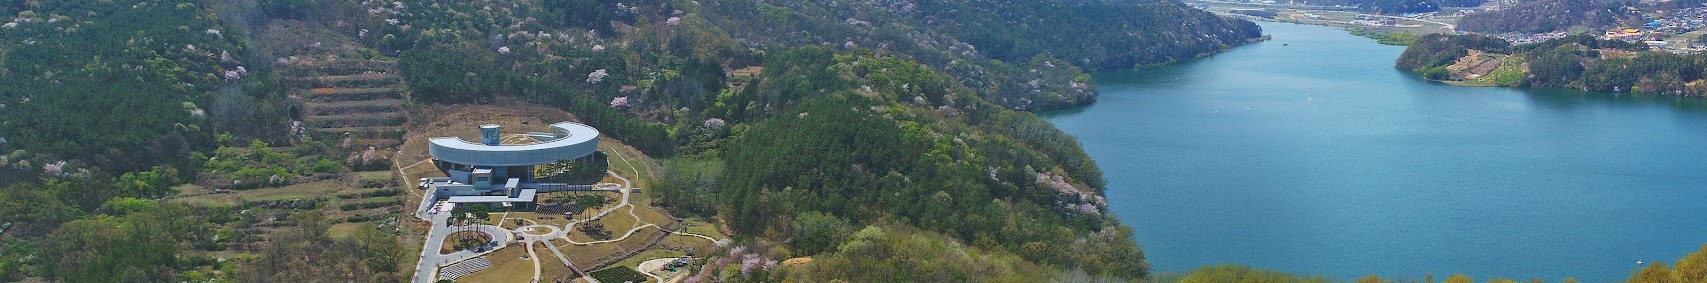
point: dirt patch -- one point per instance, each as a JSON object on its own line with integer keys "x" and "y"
{"x": 747, "y": 72}
{"x": 797, "y": 261}
{"x": 1475, "y": 65}
{"x": 1607, "y": 53}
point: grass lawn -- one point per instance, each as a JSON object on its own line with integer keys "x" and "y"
{"x": 625, "y": 161}
{"x": 640, "y": 239}
{"x": 701, "y": 227}
{"x": 700, "y": 245}
{"x": 551, "y": 268}
{"x": 189, "y": 189}
{"x": 342, "y": 230}
{"x": 374, "y": 175}
{"x": 620, "y": 221}
{"x": 639, "y": 196}
{"x": 297, "y": 191}
{"x": 507, "y": 266}
{"x": 589, "y": 254}
{"x": 696, "y": 226}
{"x": 578, "y": 236}
{"x": 631, "y": 164}
{"x": 649, "y": 214}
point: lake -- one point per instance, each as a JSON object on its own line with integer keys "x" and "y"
{"x": 1310, "y": 154}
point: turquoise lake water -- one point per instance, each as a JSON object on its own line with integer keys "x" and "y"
{"x": 1311, "y": 154}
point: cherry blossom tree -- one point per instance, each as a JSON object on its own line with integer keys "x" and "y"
{"x": 619, "y": 102}
{"x": 597, "y": 76}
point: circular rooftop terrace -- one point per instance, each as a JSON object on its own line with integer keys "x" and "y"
{"x": 571, "y": 140}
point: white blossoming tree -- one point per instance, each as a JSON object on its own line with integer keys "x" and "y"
{"x": 619, "y": 102}
{"x": 597, "y": 76}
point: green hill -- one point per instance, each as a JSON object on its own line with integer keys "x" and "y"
{"x": 1579, "y": 61}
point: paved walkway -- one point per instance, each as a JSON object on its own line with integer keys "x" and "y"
{"x": 431, "y": 260}
{"x": 535, "y": 258}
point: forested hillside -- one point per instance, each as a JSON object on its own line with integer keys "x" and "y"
{"x": 1038, "y": 47}
{"x": 1579, "y": 61}
{"x": 898, "y": 118}
{"x": 79, "y": 74}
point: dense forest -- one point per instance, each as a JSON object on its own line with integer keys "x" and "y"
{"x": 1578, "y": 61}
{"x": 1023, "y": 55}
{"x": 1541, "y": 16}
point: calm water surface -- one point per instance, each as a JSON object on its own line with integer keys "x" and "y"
{"x": 1310, "y": 154}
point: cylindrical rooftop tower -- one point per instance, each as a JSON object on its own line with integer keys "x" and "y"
{"x": 489, "y": 134}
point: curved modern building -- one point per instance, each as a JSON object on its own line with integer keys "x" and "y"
{"x": 571, "y": 141}
{"x": 461, "y": 159}
{"x": 490, "y": 171}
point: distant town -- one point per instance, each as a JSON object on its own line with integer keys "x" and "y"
{"x": 1677, "y": 30}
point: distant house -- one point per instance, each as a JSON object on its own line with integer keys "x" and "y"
{"x": 1626, "y": 34}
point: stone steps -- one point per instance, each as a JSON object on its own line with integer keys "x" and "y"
{"x": 464, "y": 268}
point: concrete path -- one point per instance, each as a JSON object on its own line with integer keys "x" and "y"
{"x": 535, "y": 258}
{"x": 707, "y": 238}
{"x": 427, "y": 269}
{"x": 565, "y": 259}
{"x": 529, "y": 233}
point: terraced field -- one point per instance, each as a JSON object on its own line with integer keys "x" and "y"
{"x": 363, "y": 99}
